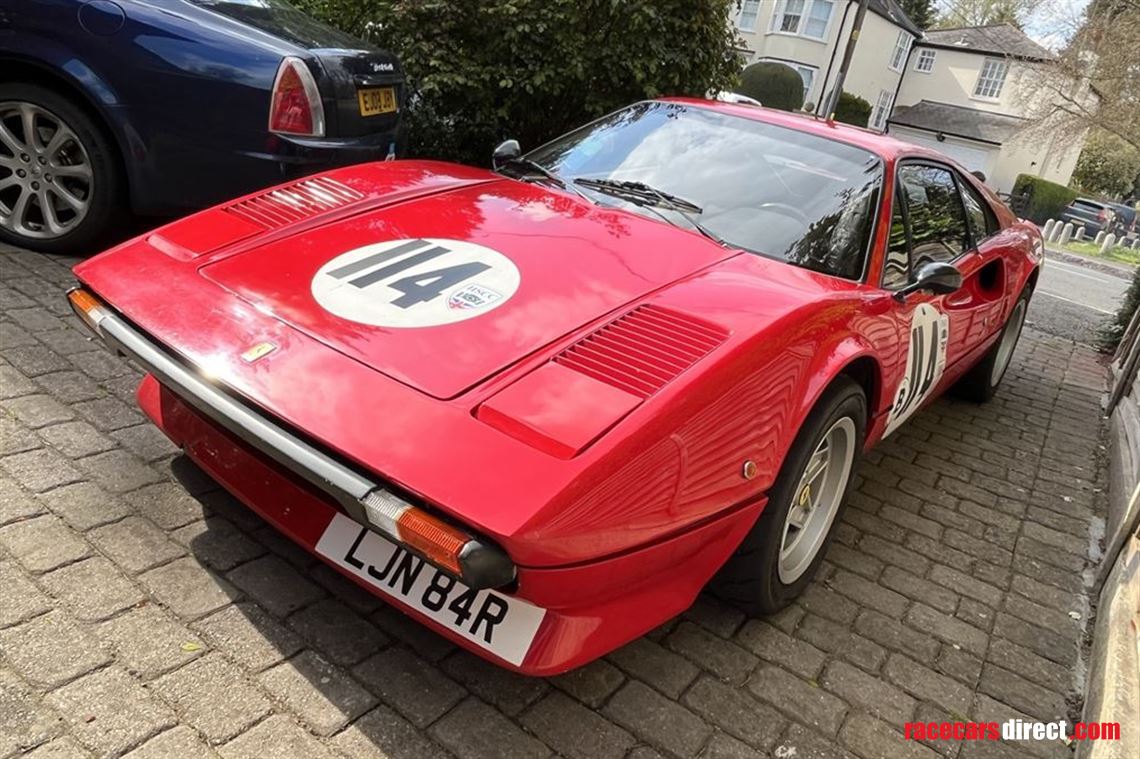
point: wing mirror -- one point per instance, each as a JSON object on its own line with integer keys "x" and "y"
{"x": 506, "y": 152}
{"x": 938, "y": 277}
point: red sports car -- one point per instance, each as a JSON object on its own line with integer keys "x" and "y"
{"x": 540, "y": 408}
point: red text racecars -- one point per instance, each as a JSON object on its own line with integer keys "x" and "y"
{"x": 538, "y": 409}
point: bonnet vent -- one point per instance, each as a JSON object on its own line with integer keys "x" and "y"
{"x": 294, "y": 202}
{"x": 642, "y": 351}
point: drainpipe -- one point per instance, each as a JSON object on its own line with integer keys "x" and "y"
{"x": 846, "y": 64}
{"x": 831, "y": 61}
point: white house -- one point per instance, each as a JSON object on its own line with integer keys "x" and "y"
{"x": 972, "y": 93}
{"x": 977, "y": 95}
{"x": 811, "y": 36}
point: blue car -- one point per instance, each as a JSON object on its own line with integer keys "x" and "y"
{"x": 159, "y": 107}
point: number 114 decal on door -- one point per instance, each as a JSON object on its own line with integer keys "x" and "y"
{"x": 925, "y": 362}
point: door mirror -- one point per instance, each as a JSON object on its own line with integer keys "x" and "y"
{"x": 936, "y": 276}
{"x": 506, "y": 152}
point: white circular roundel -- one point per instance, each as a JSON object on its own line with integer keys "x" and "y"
{"x": 415, "y": 283}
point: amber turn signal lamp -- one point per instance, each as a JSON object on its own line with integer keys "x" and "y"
{"x": 87, "y": 307}
{"x": 439, "y": 542}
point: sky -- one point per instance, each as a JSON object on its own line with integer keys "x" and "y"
{"x": 1053, "y": 21}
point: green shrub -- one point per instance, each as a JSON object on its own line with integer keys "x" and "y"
{"x": 1111, "y": 333}
{"x": 774, "y": 85}
{"x": 481, "y": 72}
{"x": 1046, "y": 199}
{"x": 852, "y": 109}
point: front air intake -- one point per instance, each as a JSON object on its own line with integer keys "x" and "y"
{"x": 294, "y": 202}
{"x": 643, "y": 350}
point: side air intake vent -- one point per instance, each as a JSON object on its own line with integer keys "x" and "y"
{"x": 642, "y": 351}
{"x": 294, "y": 202}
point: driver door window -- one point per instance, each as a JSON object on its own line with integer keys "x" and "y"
{"x": 937, "y": 220}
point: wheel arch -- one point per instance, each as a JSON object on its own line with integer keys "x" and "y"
{"x": 21, "y": 70}
{"x": 852, "y": 358}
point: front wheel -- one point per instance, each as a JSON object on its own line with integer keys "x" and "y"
{"x": 981, "y": 383}
{"x": 782, "y": 553}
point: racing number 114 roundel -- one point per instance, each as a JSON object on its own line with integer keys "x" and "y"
{"x": 415, "y": 283}
{"x": 925, "y": 362}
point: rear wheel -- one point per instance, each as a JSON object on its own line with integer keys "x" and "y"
{"x": 782, "y": 553}
{"x": 60, "y": 183}
{"x": 980, "y": 383}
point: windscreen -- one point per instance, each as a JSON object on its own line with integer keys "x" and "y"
{"x": 770, "y": 190}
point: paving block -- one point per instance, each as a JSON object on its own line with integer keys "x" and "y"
{"x": 109, "y": 712}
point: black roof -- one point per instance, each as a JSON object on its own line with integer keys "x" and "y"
{"x": 996, "y": 39}
{"x": 893, "y": 12}
{"x": 971, "y": 123}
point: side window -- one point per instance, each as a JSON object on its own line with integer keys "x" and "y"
{"x": 938, "y": 229}
{"x": 983, "y": 223}
{"x": 896, "y": 269}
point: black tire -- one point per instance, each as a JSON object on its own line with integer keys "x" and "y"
{"x": 750, "y": 579}
{"x": 107, "y": 185}
{"x": 981, "y": 382}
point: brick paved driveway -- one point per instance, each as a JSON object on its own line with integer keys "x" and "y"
{"x": 144, "y": 612}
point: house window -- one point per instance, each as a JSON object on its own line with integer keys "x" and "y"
{"x": 808, "y": 75}
{"x": 902, "y": 47}
{"x": 807, "y": 18}
{"x": 817, "y": 18}
{"x": 925, "y": 62}
{"x": 882, "y": 110}
{"x": 749, "y": 11}
{"x": 788, "y": 16}
{"x": 991, "y": 79}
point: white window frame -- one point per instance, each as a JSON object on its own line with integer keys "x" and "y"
{"x": 809, "y": 80}
{"x": 810, "y": 7}
{"x": 800, "y": 29}
{"x": 882, "y": 110}
{"x": 898, "y": 54}
{"x": 740, "y": 16}
{"x": 991, "y": 76}
{"x": 926, "y": 54}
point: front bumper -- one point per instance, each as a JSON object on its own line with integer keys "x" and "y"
{"x": 590, "y": 609}
{"x": 577, "y": 612}
{"x": 478, "y": 563}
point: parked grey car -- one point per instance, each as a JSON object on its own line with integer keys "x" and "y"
{"x": 1094, "y": 215}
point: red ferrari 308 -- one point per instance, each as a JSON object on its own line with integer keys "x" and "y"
{"x": 540, "y": 408}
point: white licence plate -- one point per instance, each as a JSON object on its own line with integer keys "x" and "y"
{"x": 504, "y": 626}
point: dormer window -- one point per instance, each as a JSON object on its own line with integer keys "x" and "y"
{"x": 991, "y": 79}
{"x": 925, "y": 62}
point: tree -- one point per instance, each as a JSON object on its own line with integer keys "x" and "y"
{"x": 921, "y": 12}
{"x": 775, "y": 85}
{"x": 1107, "y": 166}
{"x": 1095, "y": 81}
{"x": 956, "y": 13}
{"x": 481, "y": 72}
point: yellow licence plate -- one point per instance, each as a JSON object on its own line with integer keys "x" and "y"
{"x": 376, "y": 100}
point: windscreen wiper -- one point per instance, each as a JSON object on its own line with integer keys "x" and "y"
{"x": 535, "y": 167}
{"x": 648, "y": 197}
{"x": 626, "y": 188}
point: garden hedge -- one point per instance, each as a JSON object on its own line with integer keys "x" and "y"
{"x": 1046, "y": 199}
